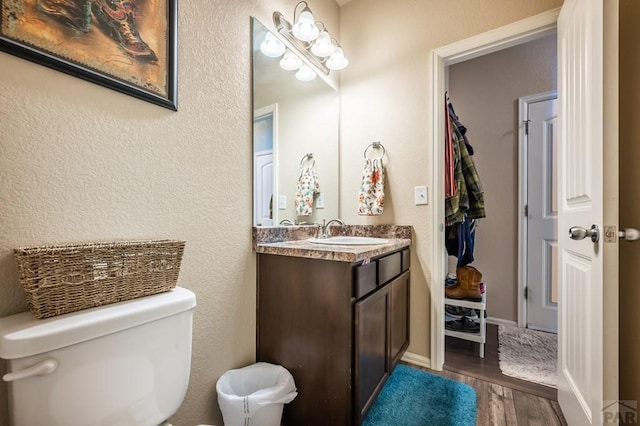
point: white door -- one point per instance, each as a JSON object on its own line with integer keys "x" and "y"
{"x": 542, "y": 210}
{"x": 265, "y": 155}
{"x": 263, "y": 188}
{"x": 584, "y": 87}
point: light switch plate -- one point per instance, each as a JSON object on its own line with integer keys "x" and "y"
{"x": 421, "y": 195}
{"x": 282, "y": 202}
{"x": 320, "y": 201}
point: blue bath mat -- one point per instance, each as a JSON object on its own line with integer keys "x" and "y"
{"x": 413, "y": 397}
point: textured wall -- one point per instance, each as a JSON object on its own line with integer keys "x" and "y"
{"x": 79, "y": 162}
{"x": 485, "y": 92}
{"x": 385, "y": 95}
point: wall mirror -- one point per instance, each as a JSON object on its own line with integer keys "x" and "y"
{"x": 293, "y": 120}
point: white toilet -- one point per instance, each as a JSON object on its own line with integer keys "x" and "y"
{"x": 125, "y": 364}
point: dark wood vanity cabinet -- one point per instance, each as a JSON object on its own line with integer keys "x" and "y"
{"x": 381, "y": 337}
{"x": 338, "y": 327}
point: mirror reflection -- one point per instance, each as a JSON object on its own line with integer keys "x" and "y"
{"x": 295, "y": 136}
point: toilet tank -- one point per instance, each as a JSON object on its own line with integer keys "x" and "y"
{"x": 124, "y": 364}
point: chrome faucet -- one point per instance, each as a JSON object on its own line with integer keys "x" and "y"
{"x": 324, "y": 228}
{"x": 286, "y": 222}
{"x": 320, "y": 230}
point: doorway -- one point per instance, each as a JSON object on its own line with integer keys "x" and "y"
{"x": 521, "y": 32}
{"x": 485, "y": 93}
{"x": 538, "y": 217}
{"x": 588, "y": 91}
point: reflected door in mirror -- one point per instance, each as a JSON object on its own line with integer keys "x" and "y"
{"x": 263, "y": 162}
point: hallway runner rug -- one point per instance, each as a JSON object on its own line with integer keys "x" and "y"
{"x": 413, "y": 397}
{"x": 528, "y": 354}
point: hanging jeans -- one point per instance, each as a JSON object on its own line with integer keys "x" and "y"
{"x": 460, "y": 241}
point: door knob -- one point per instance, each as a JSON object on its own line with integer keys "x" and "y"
{"x": 629, "y": 234}
{"x": 580, "y": 233}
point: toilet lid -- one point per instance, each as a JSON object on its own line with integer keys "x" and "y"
{"x": 24, "y": 335}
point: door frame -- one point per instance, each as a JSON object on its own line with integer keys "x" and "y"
{"x": 523, "y": 176}
{"x": 519, "y": 32}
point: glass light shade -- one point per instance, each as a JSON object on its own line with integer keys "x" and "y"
{"x": 305, "y": 73}
{"x": 337, "y": 61}
{"x": 323, "y": 46}
{"x": 290, "y": 61}
{"x": 305, "y": 28}
{"x": 272, "y": 47}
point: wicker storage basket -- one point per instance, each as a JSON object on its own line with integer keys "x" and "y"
{"x": 62, "y": 279}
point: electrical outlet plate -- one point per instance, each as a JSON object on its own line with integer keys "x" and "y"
{"x": 320, "y": 201}
{"x": 421, "y": 195}
{"x": 282, "y": 202}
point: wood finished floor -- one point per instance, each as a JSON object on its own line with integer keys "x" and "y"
{"x": 461, "y": 356}
{"x": 502, "y": 400}
{"x": 503, "y": 406}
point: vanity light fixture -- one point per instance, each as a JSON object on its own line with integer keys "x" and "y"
{"x": 304, "y": 27}
{"x": 305, "y": 73}
{"x": 311, "y": 38}
{"x": 323, "y": 45}
{"x": 290, "y": 61}
{"x": 337, "y": 61}
{"x": 272, "y": 47}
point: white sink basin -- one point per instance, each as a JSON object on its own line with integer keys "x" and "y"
{"x": 349, "y": 241}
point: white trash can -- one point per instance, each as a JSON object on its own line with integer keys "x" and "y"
{"x": 255, "y": 395}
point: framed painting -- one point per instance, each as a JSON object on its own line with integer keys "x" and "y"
{"x": 125, "y": 45}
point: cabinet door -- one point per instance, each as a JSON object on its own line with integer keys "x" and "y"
{"x": 399, "y": 317}
{"x": 372, "y": 348}
{"x": 305, "y": 324}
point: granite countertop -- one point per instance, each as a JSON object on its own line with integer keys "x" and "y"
{"x": 292, "y": 241}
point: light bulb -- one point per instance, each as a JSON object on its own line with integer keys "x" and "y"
{"x": 290, "y": 61}
{"x": 305, "y": 73}
{"x": 337, "y": 61}
{"x": 271, "y": 46}
{"x": 323, "y": 46}
{"x": 305, "y": 28}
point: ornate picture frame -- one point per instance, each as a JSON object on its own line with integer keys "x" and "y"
{"x": 125, "y": 45}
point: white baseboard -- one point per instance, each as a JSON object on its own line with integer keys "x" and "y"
{"x": 419, "y": 360}
{"x": 499, "y": 321}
